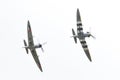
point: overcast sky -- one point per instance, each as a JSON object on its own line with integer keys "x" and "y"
{"x": 52, "y": 22}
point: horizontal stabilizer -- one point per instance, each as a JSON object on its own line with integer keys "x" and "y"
{"x": 74, "y": 35}
{"x": 25, "y": 46}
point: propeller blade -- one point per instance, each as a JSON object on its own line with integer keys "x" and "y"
{"x": 44, "y": 43}
{"x": 93, "y": 36}
{"x": 42, "y": 49}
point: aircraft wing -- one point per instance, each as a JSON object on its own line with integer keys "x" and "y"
{"x": 85, "y": 47}
{"x": 30, "y": 37}
{"x": 79, "y": 23}
{"x": 35, "y": 56}
{"x": 31, "y": 44}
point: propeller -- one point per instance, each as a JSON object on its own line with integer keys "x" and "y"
{"x": 42, "y": 47}
{"x": 44, "y": 43}
{"x": 91, "y": 34}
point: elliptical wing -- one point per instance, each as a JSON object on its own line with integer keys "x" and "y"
{"x": 85, "y": 48}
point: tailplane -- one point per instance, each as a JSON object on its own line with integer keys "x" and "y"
{"x": 25, "y": 46}
{"x": 74, "y": 36}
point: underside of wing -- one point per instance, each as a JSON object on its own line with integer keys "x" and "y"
{"x": 79, "y": 23}
{"x": 85, "y": 47}
{"x": 30, "y": 37}
{"x": 35, "y": 56}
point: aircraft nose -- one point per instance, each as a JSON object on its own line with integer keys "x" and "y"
{"x": 40, "y": 45}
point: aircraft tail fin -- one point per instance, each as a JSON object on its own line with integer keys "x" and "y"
{"x": 25, "y": 46}
{"x": 74, "y": 36}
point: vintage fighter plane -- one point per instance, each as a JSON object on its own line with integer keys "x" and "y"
{"x": 81, "y": 35}
{"x": 32, "y": 47}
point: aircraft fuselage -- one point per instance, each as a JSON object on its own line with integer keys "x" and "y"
{"x": 83, "y": 35}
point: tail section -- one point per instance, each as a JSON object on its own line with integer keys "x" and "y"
{"x": 25, "y": 46}
{"x": 74, "y": 36}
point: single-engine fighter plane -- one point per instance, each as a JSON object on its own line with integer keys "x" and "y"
{"x": 32, "y": 47}
{"x": 81, "y": 35}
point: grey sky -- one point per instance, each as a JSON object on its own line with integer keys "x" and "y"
{"x": 52, "y": 21}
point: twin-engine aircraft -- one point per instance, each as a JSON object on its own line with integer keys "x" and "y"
{"x": 81, "y": 35}
{"x": 32, "y": 47}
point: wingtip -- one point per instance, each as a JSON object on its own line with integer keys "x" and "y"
{"x": 41, "y": 69}
{"x": 72, "y": 29}
{"x": 77, "y": 9}
{"x": 90, "y": 60}
{"x": 78, "y": 15}
{"x": 28, "y": 22}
